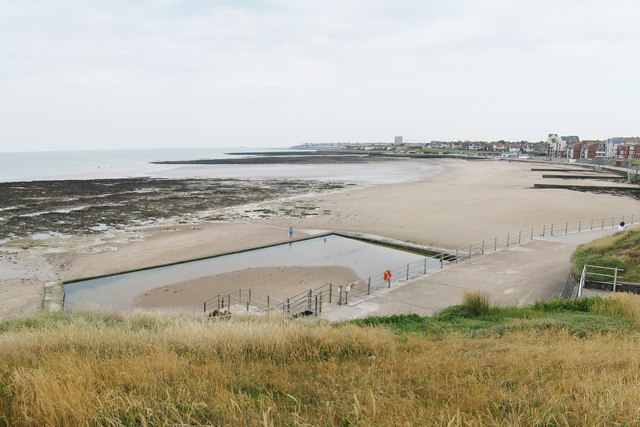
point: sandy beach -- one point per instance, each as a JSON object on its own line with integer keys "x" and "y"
{"x": 278, "y": 282}
{"x": 467, "y": 202}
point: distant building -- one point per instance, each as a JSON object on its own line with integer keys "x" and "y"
{"x": 397, "y": 140}
{"x": 629, "y": 150}
{"x": 557, "y": 146}
{"x": 590, "y": 149}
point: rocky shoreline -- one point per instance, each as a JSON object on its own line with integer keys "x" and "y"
{"x": 93, "y": 206}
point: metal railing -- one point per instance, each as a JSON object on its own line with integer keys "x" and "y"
{"x": 403, "y": 272}
{"x": 547, "y": 230}
{"x": 310, "y": 301}
{"x": 601, "y": 275}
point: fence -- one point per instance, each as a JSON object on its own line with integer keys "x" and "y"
{"x": 405, "y": 272}
{"x": 311, "y": 301}
{"x": 547, "y": 230}
{"x": 605, "y": 278}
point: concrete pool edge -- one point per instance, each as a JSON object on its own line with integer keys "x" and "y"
{"x": 55, "y": 292}
{"x": 184, "y": 261}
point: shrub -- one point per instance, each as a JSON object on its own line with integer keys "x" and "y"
{"x": 477, "y": 303}
{"x": 581, "y": 304}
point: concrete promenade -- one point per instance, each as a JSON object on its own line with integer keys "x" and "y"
{"x": 519, "y": 276}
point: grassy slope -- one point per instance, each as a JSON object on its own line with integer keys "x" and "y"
{"x": 548, "y": 364}
{"x": 620, "y": 250}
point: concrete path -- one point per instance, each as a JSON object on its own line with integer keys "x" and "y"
{"x": 519, "y": 276}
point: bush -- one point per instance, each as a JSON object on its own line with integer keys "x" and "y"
{"x": 582, "y": 304}
{"x": 477, "y": 303}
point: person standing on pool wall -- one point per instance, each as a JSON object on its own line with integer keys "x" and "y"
{"x": 291, "y": 232}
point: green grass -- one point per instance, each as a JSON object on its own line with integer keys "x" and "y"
{"x": 621, "y": 250}
{"x": 579, "y": 317}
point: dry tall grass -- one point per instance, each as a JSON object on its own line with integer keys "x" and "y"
{"x": 620, "y": 306}
{"x": 166, "y": 369}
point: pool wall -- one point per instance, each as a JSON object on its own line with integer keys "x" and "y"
{"x": 416, "y": 249}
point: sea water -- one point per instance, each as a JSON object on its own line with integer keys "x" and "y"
{"x": 104, "y": 164}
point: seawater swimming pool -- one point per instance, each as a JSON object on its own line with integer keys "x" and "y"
{"x": 117, "y": 292}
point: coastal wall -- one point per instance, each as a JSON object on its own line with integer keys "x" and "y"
{"x": 570, "y": 290}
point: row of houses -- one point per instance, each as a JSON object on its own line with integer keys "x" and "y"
{"x": 499, "y": 146}
{"x": 570, "y": 147}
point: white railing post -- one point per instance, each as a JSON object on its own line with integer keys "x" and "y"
{"x": 582, "y": 280}
{"x": 615, "y": 278}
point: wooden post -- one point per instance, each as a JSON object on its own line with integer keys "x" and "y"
{"x": 218, "y": 302}
{"x": 602, "y": 223}
{"x": 495, "y": 244}
{"x": 615, "y": 278}
{"x": 247, "y": 305}
{"x": 456, "y": 255}
{"x": 330, "y": 291}
{"x": 369, "y": 287}
{"x": 424, "y": 271}
{"x": 591, "y": 224}
{"x": 315, "y": 311}
{"x": 552, "y": 229}
{"x": 407, "y": 271}
{"x": 508, "y": 236}
{"x": 267, "y": 301}
{"x": 339, "y": 295}
{"x": 519, "y": 236}
{"x": 310, "y": 297}
{"x": 566, "y": 228}
{"x": 483, "y": 247}
{"x": 531, "y": 233}
{"x": 544, "y": 229}
{"x": 205, "y": 307}
{"x": 469, "y": 251}
{"x": 249, "y": 296}
{"x": 441, "y": 262}
{"x": 579, "y": 226}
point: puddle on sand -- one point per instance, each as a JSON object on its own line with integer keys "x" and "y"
{"x": 118, "y": 292}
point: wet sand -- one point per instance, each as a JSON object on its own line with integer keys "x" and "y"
{"x": 278, "y": 282}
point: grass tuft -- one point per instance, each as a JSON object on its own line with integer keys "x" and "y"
{"x": 476, "y": 303}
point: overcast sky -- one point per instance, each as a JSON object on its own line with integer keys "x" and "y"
{"x": 78, "y": 74}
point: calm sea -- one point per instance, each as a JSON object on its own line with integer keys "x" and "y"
{"x": 54, "y": 165}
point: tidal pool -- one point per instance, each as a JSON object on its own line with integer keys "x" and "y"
{"x": 117, "y": 292}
